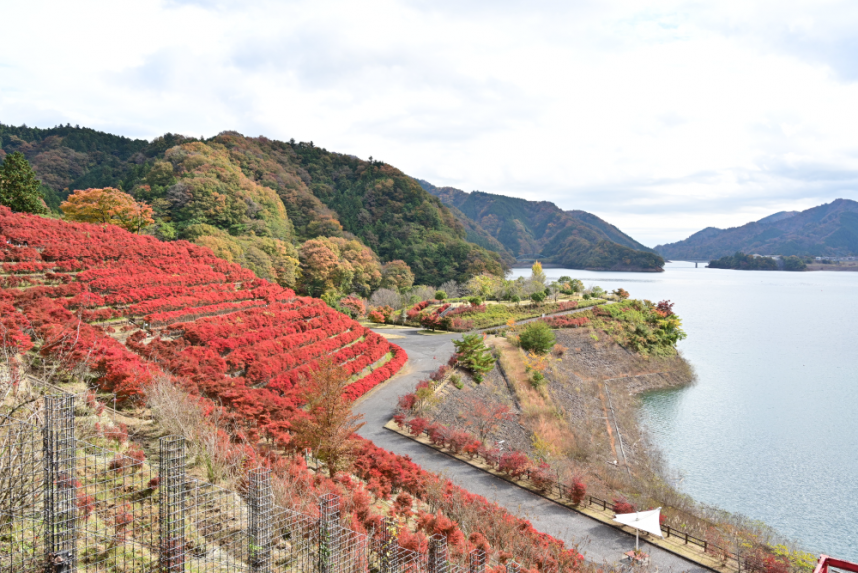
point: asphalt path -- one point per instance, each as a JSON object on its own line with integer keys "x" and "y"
{"x": 600, "y": 543}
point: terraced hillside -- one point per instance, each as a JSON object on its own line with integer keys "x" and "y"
{"x": 126, "y": 309}
{"x": 122, "y": 311}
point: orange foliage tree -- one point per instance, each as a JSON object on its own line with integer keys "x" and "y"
{"x": 107, "y": 205}
{"x": 330, "y": 425}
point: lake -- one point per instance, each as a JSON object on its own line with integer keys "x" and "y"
{"x": 770, "y": 428}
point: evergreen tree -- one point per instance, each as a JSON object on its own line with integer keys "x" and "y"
{"x": 473, "y": 355}
{"x": 538, "y": 337}
{"x": 19, "y": 188}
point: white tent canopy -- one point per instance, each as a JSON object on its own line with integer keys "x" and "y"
{"x": 642, "y": 521}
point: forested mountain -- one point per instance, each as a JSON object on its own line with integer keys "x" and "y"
{"x": 826, "y": 230}
{"x": 256, "y": 200}
{"x": 610, "y": 231}
{"x": 540, "y": 229}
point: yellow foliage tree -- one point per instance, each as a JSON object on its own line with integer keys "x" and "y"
{"x": 107, "y": 206}
{"x": 537, "y": 274}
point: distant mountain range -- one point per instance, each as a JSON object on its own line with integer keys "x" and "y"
{"x": 521, "y": 229}
{"x": 827, "y": 230}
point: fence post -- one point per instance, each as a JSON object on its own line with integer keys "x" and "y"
{"x": 512, "y": 567}
{"x": 171, "y": 503}
{"x": 60, "y": 509}
{"x": 260, "y": 507}
{"x": 329, "y": 533}
{"x": 438, "y": 554}
{"x": 477, "y": 561}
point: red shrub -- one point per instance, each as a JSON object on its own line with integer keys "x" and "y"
{"x": 403, "y": 504}
{"x": 439, "y": 374}
{"x": 458, "y": 440}
{"x": 118, "y": 434}
{"x": 438, "y": 434}
{"x": 566, "y": 321}
{"x": 578, "y": 490}
{"x": 120, "y": 463}
{"x": 621, "y": 505}
{"x": 355, "y": 305}
{"x": 417, "y": 426}
{"x": 542, "y": 477}
{"x": 407, "y": 401}
{"x": 665, "y": 307}
{"x": 85, "y": 504}
{"x": 514, "y": 464}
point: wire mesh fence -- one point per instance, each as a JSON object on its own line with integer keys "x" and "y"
{"x": 71, "y": 506}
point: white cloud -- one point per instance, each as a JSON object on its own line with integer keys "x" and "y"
{"x": 661, "y": 117}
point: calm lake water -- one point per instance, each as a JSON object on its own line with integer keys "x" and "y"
{"x": 770, "y": 429}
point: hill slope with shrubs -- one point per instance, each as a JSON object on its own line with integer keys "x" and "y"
{"x": 249, "y": 192}
{"x": 128, "y": 313}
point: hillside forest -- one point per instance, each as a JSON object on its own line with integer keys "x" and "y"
{"x": 528, "y": 230}
{"x": 292, "y": 212}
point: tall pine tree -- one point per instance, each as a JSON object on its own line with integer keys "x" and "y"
{"x": 19, "y": 188}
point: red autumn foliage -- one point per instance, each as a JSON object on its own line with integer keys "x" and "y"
{"x": 514, "y": 464}
{"x": 542, "y": 477}
{"x": 566, "y": 321}
{"x": 417, "y": 426}
{"x": 466, "y": 309}
{"x": 621, "y": 505}
{"x": 236, "y": 343}
{"x": 577, "y": 491}
{"x": 665, "y": 308}
{"x": 353, "y": 304}
{"x": 439, "y": 374}
{"x": 407, "y": 401}
{"x": 417, "y": 308}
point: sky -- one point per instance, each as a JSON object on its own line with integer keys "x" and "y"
{"x": 660, "y": 117}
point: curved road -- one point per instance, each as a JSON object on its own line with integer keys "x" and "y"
{"x": 599, "y": 543}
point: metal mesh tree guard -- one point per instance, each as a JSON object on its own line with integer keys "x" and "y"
{"x": 22, "y": 478}
{"x": 477, "y": 561}
{"x": 260, "y": 506}
{"x": 172, "y": 503}
{"x": 329, "y": 533}
{"x": 60, "y": 508}
{"x": 438, "y": 554}
{"x": 71, "y": 506}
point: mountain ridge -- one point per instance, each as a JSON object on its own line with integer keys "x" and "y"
{"x": 830, "y": 229}
{"x": 540, "y": 229}
{"x": 259, "y": 198}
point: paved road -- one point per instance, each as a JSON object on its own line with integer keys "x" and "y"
{"x": 599, "y": 542}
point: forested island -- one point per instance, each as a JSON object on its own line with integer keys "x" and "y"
{"x": 741, "y": 261}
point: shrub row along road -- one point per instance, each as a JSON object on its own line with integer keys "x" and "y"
{"x": 600, "y": 543}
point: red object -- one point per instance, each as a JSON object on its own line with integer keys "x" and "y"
{"x": 825, "y": 562}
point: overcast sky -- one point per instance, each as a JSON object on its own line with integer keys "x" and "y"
{"x": 660, "y": 117}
